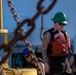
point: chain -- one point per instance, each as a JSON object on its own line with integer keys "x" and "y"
{"x": 13, "y": 11}
{"x": 44, "y": 13}
{"x": 21, "y": 35}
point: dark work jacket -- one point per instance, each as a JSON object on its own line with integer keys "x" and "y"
{"x": 74, "y": 62}
{"x": 29, "y": 65}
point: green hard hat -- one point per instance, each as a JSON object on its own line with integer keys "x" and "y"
{"x": 60, "y": 17}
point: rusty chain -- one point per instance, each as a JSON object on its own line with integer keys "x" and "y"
{"x": 44, "y": 13}
{"x": 21, "y": 35}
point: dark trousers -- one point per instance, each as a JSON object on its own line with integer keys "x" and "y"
{"x": 59, "y": 65}
{"x": 58, "y": 74}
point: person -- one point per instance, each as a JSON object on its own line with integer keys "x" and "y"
{"x": 56, "y": 47}
{"x": 72, "y": 62}
{"x": 27, "y": 61}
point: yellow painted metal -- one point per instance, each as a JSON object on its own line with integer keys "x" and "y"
{"x": 29, "y": 72}
{"x": 1, "y": 20}
{"x": 21, "y": 72}
{"x": 6, "y": 42}
{"x": 3, "y": 31}
{"x": 18, "y": 71}
{"x": 8, "y": 72}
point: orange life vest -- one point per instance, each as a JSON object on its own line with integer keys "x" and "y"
{"x": 59, "y": 45}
